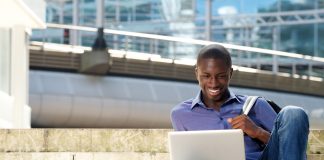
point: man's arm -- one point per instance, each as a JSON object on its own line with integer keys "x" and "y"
{"x": 266, "y": 116}
{"x": 249, "y": 127}
{"x": 176, "y": 123}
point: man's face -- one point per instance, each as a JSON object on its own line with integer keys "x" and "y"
{"x": 213, "y": 76}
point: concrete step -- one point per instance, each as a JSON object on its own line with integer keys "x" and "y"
{"x": 100, "y": 156}
{"x": 117, "y": 144}
{"x": 84, "y": 140}
{"x": 84, "y": 156}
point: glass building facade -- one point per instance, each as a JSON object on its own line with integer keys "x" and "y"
{"x": 187, "y": 18}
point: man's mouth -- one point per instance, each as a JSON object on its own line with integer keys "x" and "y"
{"x": 214, "y": 91}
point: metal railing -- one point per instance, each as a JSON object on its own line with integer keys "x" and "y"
{"x": 185, "y": 49}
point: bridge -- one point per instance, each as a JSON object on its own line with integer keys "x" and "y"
{"x": 149, "y": 74}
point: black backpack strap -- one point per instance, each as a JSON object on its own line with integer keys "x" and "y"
{"x": 274, "y": 106}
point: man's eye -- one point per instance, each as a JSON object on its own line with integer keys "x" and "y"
{"x": 205, "y": 76}
{"x": 222, "y": 76}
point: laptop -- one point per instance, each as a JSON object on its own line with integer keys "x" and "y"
{"x": 207, "y": 145}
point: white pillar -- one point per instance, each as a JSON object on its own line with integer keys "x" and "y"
{"x": 19, "y": 77}
{"x": 6, "y": 101}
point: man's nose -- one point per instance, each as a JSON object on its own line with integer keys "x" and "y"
{"x": 214, "y": 81}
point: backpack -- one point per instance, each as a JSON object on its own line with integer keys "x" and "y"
{"x": 249, "y": 104}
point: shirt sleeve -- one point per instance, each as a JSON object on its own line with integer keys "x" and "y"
{"x": 176, "y": 123}
{"x": 265, "y": 114}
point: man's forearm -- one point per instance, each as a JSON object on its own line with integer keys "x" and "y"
{"x": 263, "y": 135}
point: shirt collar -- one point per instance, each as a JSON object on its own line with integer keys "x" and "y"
{"x": 197, "y": 100}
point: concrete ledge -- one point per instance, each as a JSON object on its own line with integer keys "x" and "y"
{"x": 84, "y": 140}
{"x": 315, "y": 156}
{"x": 84, "y": 156}
{"x": 117, "y": 144}
{"x": 100, "y": 156}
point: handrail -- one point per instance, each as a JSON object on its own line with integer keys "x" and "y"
{"x": 190, "y": 41}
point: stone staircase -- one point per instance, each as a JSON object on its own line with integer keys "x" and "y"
{"x": 102, "y": 144}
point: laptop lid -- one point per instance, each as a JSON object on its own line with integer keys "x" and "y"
{"x": 207, "y": 145}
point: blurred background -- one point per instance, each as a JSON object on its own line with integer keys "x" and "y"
{"x": 53, "y": 74}
{"x": 286, "y": 25}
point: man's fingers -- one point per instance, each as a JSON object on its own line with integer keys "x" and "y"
{"x": 240, "y": 122}
{"x": 244, "y": 123}
{"x": 239, "y": 125}
{"x": 237, "y": 119}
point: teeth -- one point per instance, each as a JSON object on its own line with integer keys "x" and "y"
{"x": 213, "y": 91}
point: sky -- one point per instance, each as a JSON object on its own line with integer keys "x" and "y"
{"x": 241, "y": 6}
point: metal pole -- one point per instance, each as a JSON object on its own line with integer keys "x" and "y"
{"x": 316, "y": 34}
{"x": 151, "y": 47}
{"x": 100, "y": 13}
{"x": 126, "y": 43}
{"x": 156, "y": 49}
{"x": 316, "y": 39}
{"x": 310, "y": 69}
{"x": 258, "y": 61}
{"x": 115, "y": 41}
{"x": 208, "y": 20}
{"x": 75, "y": 21}
{"x": 275, "y": 47}
{"x": 142, "y": 44}
{"x": 247, "y": 38}
{"x": 61, "y": 17}
{"x": 117, "y": 16}
{"x": 294, "y": 71}
{"x": 133, "y": 11}
{"x": 61, "y": 12}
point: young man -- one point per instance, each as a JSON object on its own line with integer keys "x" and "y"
{"x": 268, "y": 136}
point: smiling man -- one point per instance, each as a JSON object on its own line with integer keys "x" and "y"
{"x": 268, "y": 135}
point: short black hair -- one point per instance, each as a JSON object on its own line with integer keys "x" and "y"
{"x": 214, "y": 51}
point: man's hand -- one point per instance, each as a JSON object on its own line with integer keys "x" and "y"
{"x": 249, "y": 127}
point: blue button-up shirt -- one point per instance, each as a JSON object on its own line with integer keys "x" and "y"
{"x": 192, "y": 114}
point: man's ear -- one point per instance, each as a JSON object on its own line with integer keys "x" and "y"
{"x": 196, "y": 72}
{"x": 231, "y": 73}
